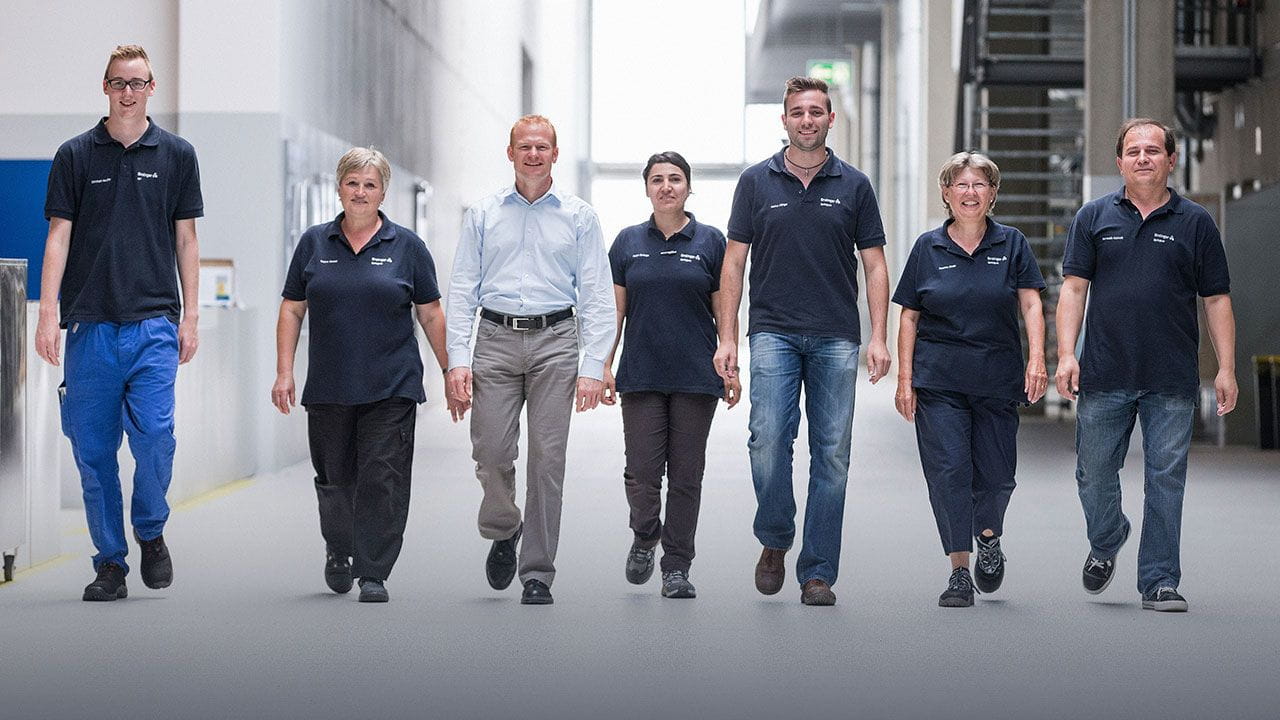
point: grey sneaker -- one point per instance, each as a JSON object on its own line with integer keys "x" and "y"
{"x": 675, "y": 584}
{"x": 639, "y": 564}
{"x": 1164, "y": 599}
{"x": 988, "y": 566}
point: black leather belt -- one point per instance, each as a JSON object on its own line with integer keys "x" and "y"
{"x": 535, "y": 322}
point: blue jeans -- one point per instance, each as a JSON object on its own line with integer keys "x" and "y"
{"x": 1104, "y": 422}
{"x": 119, "y": 378}
{"x": 827, "y": 368}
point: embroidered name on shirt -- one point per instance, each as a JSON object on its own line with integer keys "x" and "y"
{"x": 151, "y": 175}
{"x": 777, "y": 205}
{"x": 1161, "y": 237}
{"x": 945, "y": 267}
{"x": 667, "y": 252}
{"x": 379, "y": 261}
{"x": 636, "y": 255}
{"x": 99, "y": 181}
{"x": 327, "y": 262}
{"x": 1113, "y": 237}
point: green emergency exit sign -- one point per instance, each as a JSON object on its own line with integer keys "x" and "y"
{"x": 833, "y": 72}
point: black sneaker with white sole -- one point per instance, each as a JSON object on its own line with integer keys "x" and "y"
{"x": 1099, "y": 571}
{"x": 959, "y": 592}
{"x": 639, "y": 564}
{"x": 1164, "y": 599}
{"x": 675, "y": 584}
{"x": 988, "y": 566}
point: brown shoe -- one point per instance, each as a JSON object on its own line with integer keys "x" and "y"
{"x": 770, "y": 570}
{"x": 817, "y": 592}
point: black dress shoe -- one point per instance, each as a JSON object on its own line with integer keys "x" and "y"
{"x": 536, "y": 592}
{"x": 157, "y": 567}
{"x": 500, "y": 567}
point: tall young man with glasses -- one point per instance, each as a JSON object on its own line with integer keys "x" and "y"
{"x": 122, "y": 203}
{"x": 1141, "y": 255}
{"x": 806, "y": 217}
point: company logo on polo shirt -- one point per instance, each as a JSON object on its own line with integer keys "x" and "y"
{"x": 1161, "y": 237}
{"x": 148, "y": 175}
{"x": 946, "y": 267}
{"x": 828, "y": 202}
{"x": 99, "y": 181}
{"x": 686, "y": 257}
{"x": 379, "y": 261}
{"x": 777, "y": 205}
{"x": 996, "y": 259}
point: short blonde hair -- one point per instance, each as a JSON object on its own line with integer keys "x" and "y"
{"x": 359, "y": 158}
{"x": 968, "y": 159}
{"x": 532, "y": 120}
{"x": 128, "y": 52}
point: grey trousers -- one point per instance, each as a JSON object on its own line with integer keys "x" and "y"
{"x": 511, "y": 369}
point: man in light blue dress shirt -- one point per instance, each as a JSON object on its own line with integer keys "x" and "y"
{"x": 531, "y": 259}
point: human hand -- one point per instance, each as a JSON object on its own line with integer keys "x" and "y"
{"x": 589, "y": 392}
{"x": 878, "y": 361}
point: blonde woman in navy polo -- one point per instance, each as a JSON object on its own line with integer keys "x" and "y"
{"x": 666, "y": 273}
{"x": 364, "y": 280}
{"x": 960, "y": 369}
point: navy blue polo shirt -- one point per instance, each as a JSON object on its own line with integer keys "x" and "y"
{"x": 669, "y": 333}
{"x": 967, "y": 336}
{"x": 804, "y": 264}
{"x": 362, "y": 348}
{"x": 1141, "y": 331}
{"x": 123, "y": 204}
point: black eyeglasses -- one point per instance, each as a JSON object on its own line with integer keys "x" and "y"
{"x": 136, "y": 84}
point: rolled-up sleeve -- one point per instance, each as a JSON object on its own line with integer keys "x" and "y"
{"x": 597, "y": 321}
{"x": 464, "y": 290}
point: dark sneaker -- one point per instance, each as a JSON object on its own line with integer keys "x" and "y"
{"x": 500, "y": 566}
{"x": 109, "y": 585}
{"x": 1165, "y": 599}
{"x": 817, "y": 592}
{"x": 1097, "y": 574}
{"x": 157, "y": 568}
{"x": 373, "y": 591}
{"x": 959, "y": 592}
{"x": 988, "y": 566}
{"x": 536, "y": 592}
{"x": 639, "y": 564}
{"x": 675, "y": 584}
{"x": 337, "y": 572}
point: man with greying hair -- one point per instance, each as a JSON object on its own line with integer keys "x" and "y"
{"x": 122, "y": 203}
{"x": 1141, "y": 255}
{"x": 806, "y": 216}
{"x": 530, "y": 257}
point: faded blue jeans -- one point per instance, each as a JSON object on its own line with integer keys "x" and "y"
{"x": 1104, "y": 422}
{"x": 827, "y": 368}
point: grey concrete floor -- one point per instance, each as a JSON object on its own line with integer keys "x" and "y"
{"x": 249, "y": 630}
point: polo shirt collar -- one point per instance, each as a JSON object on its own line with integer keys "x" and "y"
{"x": 688, "y": 231}
{"x": 1174, "y": 204}
{"x": 943, "y": 240}
{"x": 150, "y": 138}
{"x": 387, "y": 231}
{"x": 778, "y": 164}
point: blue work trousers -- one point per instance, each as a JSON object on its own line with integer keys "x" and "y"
{"x": 119, "y": 379}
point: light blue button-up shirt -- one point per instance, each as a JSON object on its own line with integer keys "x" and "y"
{"x": 533, "y": 258}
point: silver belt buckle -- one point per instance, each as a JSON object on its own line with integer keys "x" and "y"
{"x": 516, "y": 323}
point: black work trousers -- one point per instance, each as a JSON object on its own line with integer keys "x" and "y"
{"x": 363, "y": 457}
{"x": 666, "y": 433}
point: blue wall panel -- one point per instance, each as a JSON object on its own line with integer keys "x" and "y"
{"x": 22, "y": 225}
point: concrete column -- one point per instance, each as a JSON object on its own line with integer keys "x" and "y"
{"x": 1128, "y": 72}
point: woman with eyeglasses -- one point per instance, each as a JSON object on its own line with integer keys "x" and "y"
{"x": 961, "y": 374}
{"x": 666, "y": 273}
{"x": 364, "y": 279}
